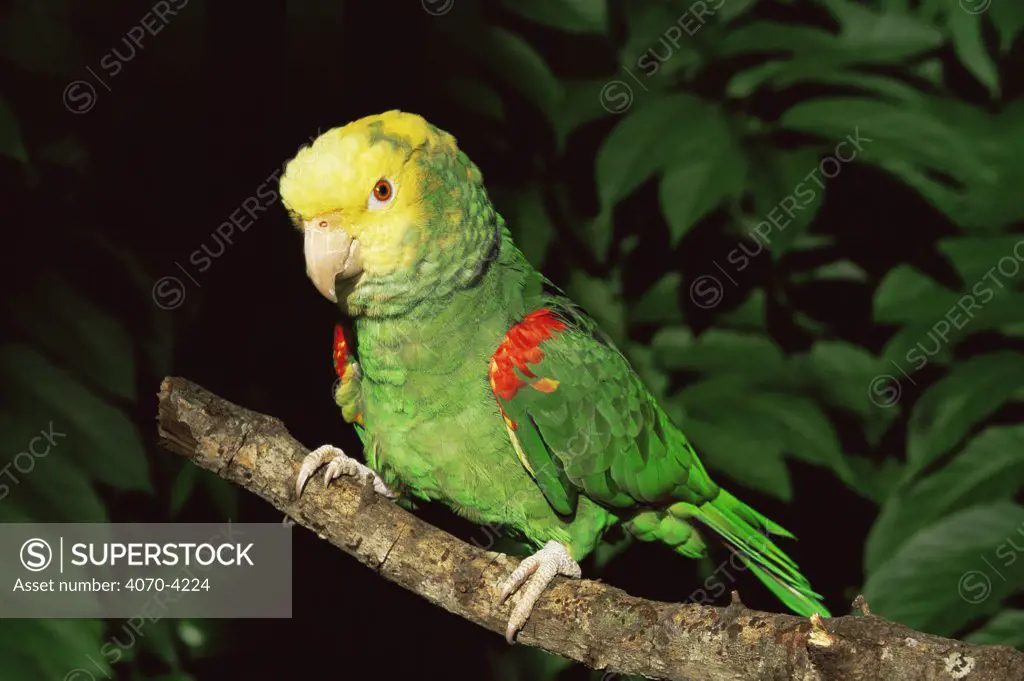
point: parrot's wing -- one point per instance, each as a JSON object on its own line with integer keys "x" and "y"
{"x": 582, "y": 420}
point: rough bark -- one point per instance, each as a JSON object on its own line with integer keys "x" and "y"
{"x": 587, "y": 621}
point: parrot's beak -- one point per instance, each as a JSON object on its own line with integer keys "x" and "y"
{"x": 330, "y": 253}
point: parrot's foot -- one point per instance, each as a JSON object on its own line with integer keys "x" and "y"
{"x": 338, "y": 464}
{"x": 551, "y": 560}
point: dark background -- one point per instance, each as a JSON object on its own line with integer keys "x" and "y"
{"x": 897, "y": 484}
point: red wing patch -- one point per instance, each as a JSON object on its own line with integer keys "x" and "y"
{"x": 521, "y": 348}
{"x": 342, "y": 367}
{"x": 340, "y": 351}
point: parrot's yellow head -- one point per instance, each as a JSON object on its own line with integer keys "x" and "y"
{"x": 390, "y": 209}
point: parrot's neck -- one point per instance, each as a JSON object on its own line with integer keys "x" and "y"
{"x": 441, "y": 339}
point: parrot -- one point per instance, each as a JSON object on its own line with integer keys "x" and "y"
{"x": 474, "y": 381}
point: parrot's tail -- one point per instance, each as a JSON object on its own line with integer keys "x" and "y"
{"x": 748, "y": 533}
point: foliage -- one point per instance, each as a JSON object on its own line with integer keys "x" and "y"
{"x": 75, "y": 376}
{"x": 800, "y": 220}
{"x": 82, "y": 358}
{"x": 725, "y": 122}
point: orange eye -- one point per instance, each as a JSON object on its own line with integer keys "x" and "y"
{"x": 383, "y": 191}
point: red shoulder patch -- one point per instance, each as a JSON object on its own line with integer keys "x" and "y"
{"x": 520, "y": 349}
{"x": 340, "y": 351}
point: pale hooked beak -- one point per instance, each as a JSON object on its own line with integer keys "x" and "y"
{"x": 330, "y": 253}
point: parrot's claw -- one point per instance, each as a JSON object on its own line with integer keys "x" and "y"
{"x": 338, "y": 464}
{"x": 551, "y": 560}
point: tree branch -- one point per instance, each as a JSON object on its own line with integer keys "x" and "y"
{"x": 587, "y": 621}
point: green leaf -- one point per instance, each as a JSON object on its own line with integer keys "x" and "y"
{"x": 116, "y": 455}
{"x": 658, "y": 52}
{"x": 599, "y": 232}
{"x": 970, "y": 49}
{"x": 86, "y": 337}
{"x": 697, "y": 182}
{"x": 742, "y": 451}
{"x": 647, "y": 139}
{"x": 865, "y": 37}
{"x": 191, "y": 635}
{"x": 574, "y": 16}
{"x": 158, "y": 342}
{"x": 808, "y": 435}
{"x": 18, "y": 664}
{"x": 812, "y": 242}
{"x": 1008, "y": 19}
{"x": 533, "y": 664}
{"x": 602, "y": 298}
{"x": 57, "y": 646}
{"x": 882, "y": 36}
{"x": 780, "y": 74}
{"x": 660, "y": 304}
{"x": 15, "y": 513}
{"x": 841, "y": 373}
{"x": 718, "y": 352}
{"x": 10, "y": 135}
{"x": 522, "y": 68}
{"x": 223, "y": 494}
{"x": 204, "y": 638}
{"x": 708, "y": 395}
{"x": 181, "y": 490}
{"x": 750, "y": 315}
{"x": 160, "y": 639}
{"x": 927, "y": 135}
{"x": 930, "y": 70}
{"x": 733, "y": 10}
{"x": 946, "y": 574}
{"x": 959, "y": 157}
{"x": 46, "y": 479}
{"x": 745, "y": 83}
{"x": 914, "y": 347}
{"x": 794, "y": 423}
{"x": 990, "y": 468}
{"x": 882, "y": 86}
{"x": 1005, "y": 629}
{"x": 770, "y": 37}
{"x": 476, "y": 97}
{"x": 586, "y": 101}
{"x": 947, "y": 410}
{"x": 810, "y": 324}
{"x": 983, "y": 204}
{"x": 527, "y": 217}
{"x": 992, "y": 257}
{"x": 874, "y": 481}
{"x": 787, "y": 197}
{"x": 64, "y": 493}
{"x": 932, "y": 340}
{"x": 905, "y": 295}
{"x": 838, "y": 270}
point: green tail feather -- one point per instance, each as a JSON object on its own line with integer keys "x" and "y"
{"x": 747, "y": 532}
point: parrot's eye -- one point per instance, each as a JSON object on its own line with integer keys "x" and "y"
{"x": 382, "y": 194}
